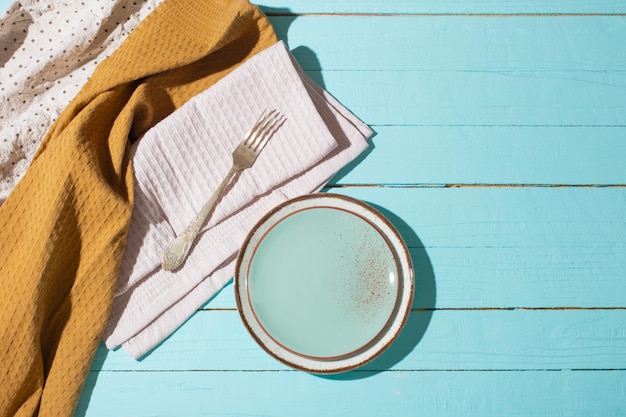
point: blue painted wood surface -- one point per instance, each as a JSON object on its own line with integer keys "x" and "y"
{"x": 499, "y": 155}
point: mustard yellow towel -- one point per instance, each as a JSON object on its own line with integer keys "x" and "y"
{"x": 63, "y": 228}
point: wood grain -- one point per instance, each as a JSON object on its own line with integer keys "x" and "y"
{"x": 443, "y": 340}
{"x": 443, "y": 156}
{"x": 567, "y": 44}
{"x": 285, "y": 394}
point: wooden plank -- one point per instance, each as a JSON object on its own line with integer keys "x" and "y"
{"x": 434, "y": 7}
{"x": 503, "y": 217}
{"x": 507, "y": 247}
{"x": 510, "y": 247}
{"x": 451, "y": 98}
{"x": 283, "y": 394}
{"x": 443, "y": 7}
{"x": 449, "y": 155}
{"x": 450, "y": 340}
{"x": 456, "y": 43}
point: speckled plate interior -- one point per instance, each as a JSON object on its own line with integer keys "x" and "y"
{"x": 324, "y": 283}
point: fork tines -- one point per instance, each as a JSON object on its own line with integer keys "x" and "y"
{"x": 264, "y": 128}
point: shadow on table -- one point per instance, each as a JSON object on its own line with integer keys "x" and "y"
{"x": 423, "y": 306}
{"x": 90, "y": 383}
{"x": 281, "y": 19}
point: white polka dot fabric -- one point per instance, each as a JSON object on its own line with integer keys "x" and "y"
{"x": 48, "y": 50}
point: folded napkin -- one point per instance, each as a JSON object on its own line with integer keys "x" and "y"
{"x": 180, "y": 162}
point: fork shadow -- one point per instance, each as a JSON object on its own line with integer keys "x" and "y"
{"x": 424, "y": 299}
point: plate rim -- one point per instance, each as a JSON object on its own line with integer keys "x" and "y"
{"x": 385, "y": 337}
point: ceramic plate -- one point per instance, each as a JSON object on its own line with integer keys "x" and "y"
{"x": 324, "y": 283}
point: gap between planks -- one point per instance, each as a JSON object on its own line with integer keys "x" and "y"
{"x": 498, "y": 15}
{"x": 365, "y": 371}
{"x": 418, "y": 309}
{"x": 473, "y": 185}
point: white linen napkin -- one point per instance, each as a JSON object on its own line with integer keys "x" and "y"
{"x": 179, "y": 163}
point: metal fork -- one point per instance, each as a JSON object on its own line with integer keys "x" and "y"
{"x": 243, "y": 157}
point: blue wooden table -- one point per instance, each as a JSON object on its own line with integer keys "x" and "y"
{"x": 500, "y": 155}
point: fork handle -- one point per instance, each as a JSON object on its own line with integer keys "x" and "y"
{"x": 177, "y": 251}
